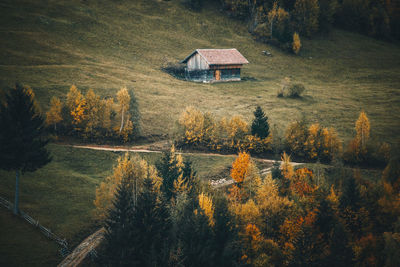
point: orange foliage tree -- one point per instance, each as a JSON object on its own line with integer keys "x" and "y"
{"x": 76, "y": 104}
{"x": 239, "y": 171}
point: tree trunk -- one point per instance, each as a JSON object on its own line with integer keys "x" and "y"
{"x": 16, "y": 203}
{"x": 122, "y": 120}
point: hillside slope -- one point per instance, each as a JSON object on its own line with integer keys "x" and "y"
{"x": 105, "y": 45}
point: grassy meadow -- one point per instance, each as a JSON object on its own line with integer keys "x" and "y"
{"x": 60, "y": 196}
{"x": 105, "y": 45}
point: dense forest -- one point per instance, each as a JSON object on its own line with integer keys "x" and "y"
{"x": 164, "y": 216}
{"x": 281, "y": 22}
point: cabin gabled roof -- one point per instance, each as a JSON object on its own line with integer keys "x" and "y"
{"x": 220, "y": 56}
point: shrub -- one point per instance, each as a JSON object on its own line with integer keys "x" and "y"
{"x": 296, "y": 90}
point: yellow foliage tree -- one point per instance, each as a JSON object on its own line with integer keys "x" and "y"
{"x": 206, "y": 204}
{"x": 246, "y": 176}
{"x": 236, "y": 129}
{"x": 268, "y": 199}
{"x": 196, "y": 126}
{"x": 132, "y": 168}
{"x": 296, "y": 45}
{"x": 296, "y": 136}
{"x": 363, "y": 130}
{"x": 240, "y": 167}
{"x": 247, "y": 213}
{"x": 123, "y": 107}
{"x": 53, "y": 116}
{"x": 287, "y": 173}
{"x": 108, "y": 105}
{"x": 331, "y": 144}
{"x": 76, "y": 104}
{"x": 94, "y": 109}
{"x": 313, "y": 141}
{"x": 302, "y": 184}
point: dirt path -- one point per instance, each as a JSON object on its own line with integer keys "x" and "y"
{"x": 159, "y": 147}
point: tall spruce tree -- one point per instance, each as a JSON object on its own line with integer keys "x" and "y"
{"x": 22, "y": 141}
{"x": 196, "y": 236}
{"x": 170, "y": 169}
{"x": 260, "y": 125}
{"x": 118, "y": 249}
{"x": 150, "y": 228}
{"x": 226, "y": 244}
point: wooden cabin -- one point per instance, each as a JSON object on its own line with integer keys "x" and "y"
{"x": 211, "y": 65}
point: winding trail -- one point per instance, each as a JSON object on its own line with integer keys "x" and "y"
{"x": 160, "y": 147}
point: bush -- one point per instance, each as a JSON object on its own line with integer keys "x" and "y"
{"x": 296, "y": 90}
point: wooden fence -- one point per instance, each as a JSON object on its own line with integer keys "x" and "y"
{"x": 64, "y": 251}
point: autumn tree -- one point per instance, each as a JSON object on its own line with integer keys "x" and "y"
{"x": 195, "y": 129}
{"x": 296, "y": 45}
{"x": 22, "y": 139}
{"x": 76, "y": 104}
{"x": 126, "y": 125}
{"x": 236, "y": 129}
{"x": 132, "y": 168}
{"x": 331, "y": 144}
{"x": 296, "y": 136}
{"x": 94, "y": 114}
{"x": 306, "y": 14}
{"x": 107, "y": 114}
{"x": 288, "y": 174}
{"x": 54, "y": 115}
{"x": 260, "y": 125}
{"x": 239, "y": 171}
{"x": 363, "y": 130}
{"x": 206, "y": 204}
{"x": 313, "y": 142}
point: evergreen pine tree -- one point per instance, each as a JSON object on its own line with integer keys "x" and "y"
{"x": 22, "y": 139}
{"x": 350, "y": 194}
{"x": 118, "y": 249}
{"x": 196, "y": 237}
{"x": 341, "y": 253}
{"x": 170, "y": 170}
{"x": 150, "y": 228}
{"x": 260, "y": 126}
{"x": 226, "y": 245}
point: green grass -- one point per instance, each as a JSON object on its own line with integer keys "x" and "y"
{"x": 60, "y": 196}
{"x": 105, "y": 45}
{"x": 18, "y": 236}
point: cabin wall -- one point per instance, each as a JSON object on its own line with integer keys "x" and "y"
{"x": 196, "y": 62}
{"x": 230, "y": 74}
{"x": 199, "y": 75}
